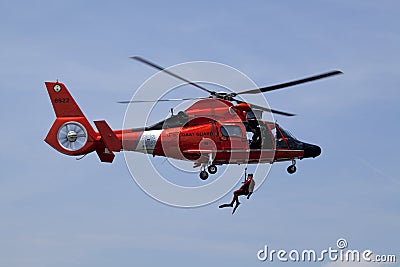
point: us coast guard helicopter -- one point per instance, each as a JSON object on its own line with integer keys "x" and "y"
{"x": 211, "y": 132}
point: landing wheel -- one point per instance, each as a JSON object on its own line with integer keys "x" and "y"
{"x": 203, "y": 175}
{"x": 291, "y": 169}
{"x": 212, "y": 169}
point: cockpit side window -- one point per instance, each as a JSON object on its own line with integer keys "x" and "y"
{"x": 250, "y": 115}
{"x": 279, "y": 134}
{"x": 280, "y": 139}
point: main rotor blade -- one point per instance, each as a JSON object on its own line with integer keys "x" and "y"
{"x": 145, "y": 61}
{"x": 292, "y": 83}
{"x": 160, "y": 100}
{"x": 274, "y": 111}
{"x": 254, "y": 106}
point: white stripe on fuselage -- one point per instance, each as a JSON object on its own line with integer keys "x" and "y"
{"x": 148, "y": 141}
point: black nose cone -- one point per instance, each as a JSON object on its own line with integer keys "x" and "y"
{"x": 311, "y": 151}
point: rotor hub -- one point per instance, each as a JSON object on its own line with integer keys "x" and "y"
{"x": 72, "y": 136}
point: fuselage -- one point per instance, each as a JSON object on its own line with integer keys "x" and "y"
{"x": 228, "y": 143}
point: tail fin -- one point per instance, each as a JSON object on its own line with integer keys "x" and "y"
{"x": 71, "y": 132}
{"x": 63, "y": 103}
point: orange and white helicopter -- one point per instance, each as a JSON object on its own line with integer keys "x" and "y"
{"x": 213, "y": 131}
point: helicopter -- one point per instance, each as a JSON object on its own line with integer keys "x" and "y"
{"x": 215, "y": 130}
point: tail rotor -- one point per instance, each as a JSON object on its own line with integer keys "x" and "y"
{"x": 72, "y": 136}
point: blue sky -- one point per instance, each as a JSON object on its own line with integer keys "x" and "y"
{"x": 59, "y": 211}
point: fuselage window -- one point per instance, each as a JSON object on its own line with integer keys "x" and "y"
{"x": 231, "y": 131}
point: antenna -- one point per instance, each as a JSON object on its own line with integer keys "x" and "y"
{"x": 79, "y": 158}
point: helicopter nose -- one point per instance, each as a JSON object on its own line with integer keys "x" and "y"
{"x": 311, "y": 151}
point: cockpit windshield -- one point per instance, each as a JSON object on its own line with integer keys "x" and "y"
{"x": 287, "y": 134}
{"x": 287, "y": 140}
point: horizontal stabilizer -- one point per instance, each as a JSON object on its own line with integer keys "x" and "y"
{"x": 110, "y": 140}
{"x": 105, "y": 155}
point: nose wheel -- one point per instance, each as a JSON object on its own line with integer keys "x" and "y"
{"x": 292, "y": 168}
